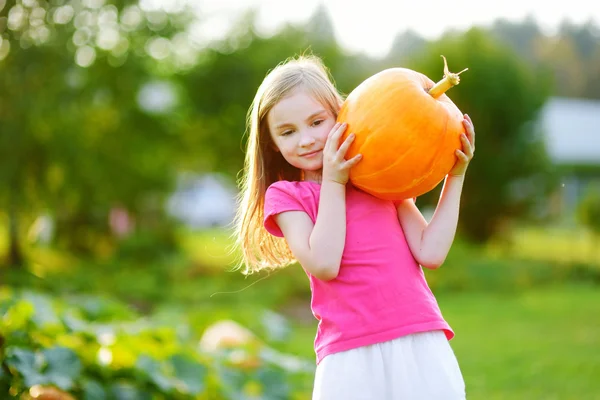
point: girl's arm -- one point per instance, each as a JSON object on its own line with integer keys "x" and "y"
{"x": 319, "y": 247}
{"x": 430, "y": 243}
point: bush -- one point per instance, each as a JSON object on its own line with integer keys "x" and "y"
{"x": 588, "y": 211}
{"x": 471, "y": 268}
{"x": 92, "y": 348}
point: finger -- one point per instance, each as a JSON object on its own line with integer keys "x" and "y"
{"x": 468, "y": 151}
{"x": 462, "y": 156}
{"x": 469, "y": 128}
{"x": 333, "y": 130}
{"x": 330, "y": 143}
{"x": 333, "y": 141}
{"x": 467, "y": 146}
{"x": 346, "y": 145}
{"x": 353, "y": 161}
{"x": 472, "y": 140}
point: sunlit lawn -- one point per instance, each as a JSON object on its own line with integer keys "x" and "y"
{"x": 539, "y": 343}
{"x": 556, "y": 244}
{"x": 542, "y": 343}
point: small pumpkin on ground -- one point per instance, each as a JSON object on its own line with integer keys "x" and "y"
{"x": 407, "y": 130}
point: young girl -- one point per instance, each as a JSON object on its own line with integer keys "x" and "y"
{"x": 380, "y": 334}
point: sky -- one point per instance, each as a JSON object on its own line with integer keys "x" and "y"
{"x": 370, "y": 26}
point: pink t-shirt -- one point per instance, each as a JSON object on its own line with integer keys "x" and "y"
{"x": 380, "y": 292}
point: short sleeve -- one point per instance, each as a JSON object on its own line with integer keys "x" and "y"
{"x": 281, "y": 196}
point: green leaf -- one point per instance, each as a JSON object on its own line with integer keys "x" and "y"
{"x": 43, "y": 310}
{"x": 191, "y": 373}
{"x": 18, "y": 316}
{"x": 64, "y": 367}
{"x": 96, "y": 308}
{"x": 274, "y": 382}
{"x": 27, "y": 364}
{"x": 232, "y": 381}
{"x": 154, "y": 372}
{"x": 93, "y": 390}
{"x": 73, "y": 322}
{"x": 58, "y": 366}
{"x": 126, "y": 391}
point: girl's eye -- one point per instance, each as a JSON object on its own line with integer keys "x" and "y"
{"x": 285, "y": 133}
{"x": 317, "y": 122}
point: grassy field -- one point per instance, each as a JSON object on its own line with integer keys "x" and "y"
{"x": 541, "y": 344}
{"x": 554, "y": 244}
{"x": 534, "y": 342}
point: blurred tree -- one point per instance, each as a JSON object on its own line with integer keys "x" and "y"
{"x": 404, "y": 46}
{"x": 568, "y": 69}
{"x": 584, "y": 37}
{"x": 592, "y": 89}
{"x": 588, "y": 214}
{"x": 82, "y": 131}
{"x": 320, "y": 28}
{"x": 220, "y": 91}
{"x": 585, "y": 40}
{"x": 503, "y": 96}
{"x": 103, "y": 101}
{"x": 520, "y": 36}
{"x": 573, "y": 53}
{"x": 588, "y": 211}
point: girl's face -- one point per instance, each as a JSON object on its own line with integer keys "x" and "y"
{"x": 299, "y": 126}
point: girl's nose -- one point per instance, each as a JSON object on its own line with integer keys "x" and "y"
{"x": 306, "y": 140}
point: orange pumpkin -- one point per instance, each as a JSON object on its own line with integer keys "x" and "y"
{"x": 407, "y": 130}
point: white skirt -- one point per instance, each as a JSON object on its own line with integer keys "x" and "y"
{"x": 414, "y": 367}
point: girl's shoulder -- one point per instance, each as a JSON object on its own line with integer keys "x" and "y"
{"x": 282, "y": 196}
{"x": 294, "y": 187}
{"x": 302, "y": 193}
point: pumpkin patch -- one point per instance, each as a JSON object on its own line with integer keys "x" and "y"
{"x": 407, "y": 130}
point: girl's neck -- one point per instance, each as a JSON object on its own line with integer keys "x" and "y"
{"x": 312, "y": 176}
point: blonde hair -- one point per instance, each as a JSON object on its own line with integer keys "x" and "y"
{"x": 263, "y": 165}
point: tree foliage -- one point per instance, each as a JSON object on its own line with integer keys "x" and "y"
{"x": 588, "y": 210}
{"x": 75, "y": 139}
{"x": 104, "y": 102}
{"x": 503, "y": 96}
{"x": 220, "y": 90}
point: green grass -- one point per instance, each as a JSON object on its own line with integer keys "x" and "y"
{"x": 514, "y": 338}
{"x": 540, "y": 344}
{"x": 551, "y": 244}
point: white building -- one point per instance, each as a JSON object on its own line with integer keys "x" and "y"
{"x": 572, "y": 136}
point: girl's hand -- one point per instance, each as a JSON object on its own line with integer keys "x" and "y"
{"x": 335, "y": 167}
{"x": 468, "y": 149}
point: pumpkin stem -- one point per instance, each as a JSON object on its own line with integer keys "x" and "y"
{"x": 450, "y": 79}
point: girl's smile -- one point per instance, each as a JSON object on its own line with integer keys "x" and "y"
{"x": 311, "y": 154}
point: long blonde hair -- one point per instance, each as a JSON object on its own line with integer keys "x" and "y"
{"x": 263, "y": 165}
